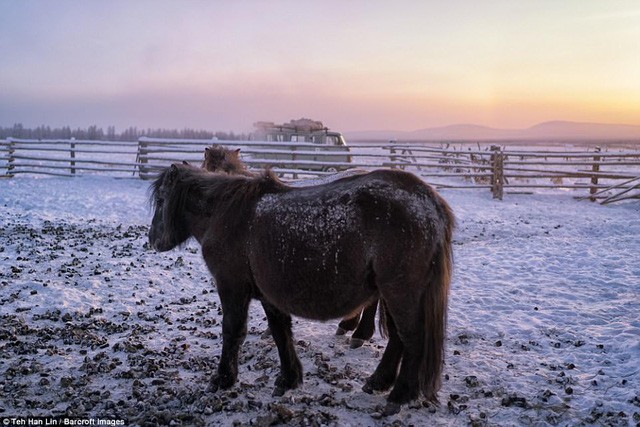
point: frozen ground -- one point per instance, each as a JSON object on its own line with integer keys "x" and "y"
{"x": 543, "y": 322}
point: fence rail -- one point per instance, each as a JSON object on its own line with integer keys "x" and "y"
{"x": 67, "y": 157}
{"x": 606, "y": 175}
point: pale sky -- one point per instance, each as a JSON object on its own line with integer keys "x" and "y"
{"x": 355, "y": 65}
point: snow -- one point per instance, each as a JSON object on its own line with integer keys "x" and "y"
{"x": 543, "y": 320}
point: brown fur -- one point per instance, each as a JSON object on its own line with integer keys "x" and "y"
{"x": 390, "y": 239}
{"x": 220, "y": 159}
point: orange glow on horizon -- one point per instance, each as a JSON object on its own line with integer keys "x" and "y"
{"x": 355, "y": 65}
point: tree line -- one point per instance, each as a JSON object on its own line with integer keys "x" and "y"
{"x": 95, "y": 133}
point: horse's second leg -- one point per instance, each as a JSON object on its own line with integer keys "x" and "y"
{"x": 348, "y": 324}
{"x": 410, "y": 326}
{"x": 385, "y": 373}
{"x": 235, "y": 307}
{"x": 366, "y": 327}
{"x": 290, "y": 367}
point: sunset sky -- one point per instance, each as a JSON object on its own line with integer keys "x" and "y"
{"x": 356, "y": 65}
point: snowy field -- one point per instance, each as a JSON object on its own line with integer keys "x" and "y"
{"x": 543, "y": 322}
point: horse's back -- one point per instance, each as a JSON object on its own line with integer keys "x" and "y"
{"x": 353, "y": 204}
{"x": 321, "y": 243}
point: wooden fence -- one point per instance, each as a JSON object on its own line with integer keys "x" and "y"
{"x": 606, "y": 175}
{"x": 297, "y": 159}
{"x": 518, "y": 170}
{"x": 67, "y": 157}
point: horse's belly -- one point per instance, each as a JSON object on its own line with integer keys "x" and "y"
{"x": 310, "y": 260}
{"x": 313, "y": 297}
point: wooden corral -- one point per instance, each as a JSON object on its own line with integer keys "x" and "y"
{"x": 67, "y": 157}
{"x": 608, "y": 174}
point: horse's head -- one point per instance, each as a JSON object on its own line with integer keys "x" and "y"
{"x": 168, "y": 227}
{"x": 220, "y": 159}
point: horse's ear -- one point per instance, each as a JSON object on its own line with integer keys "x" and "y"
{"x": 207, "y": 149}
{"x": 184, "y": 162}
{"x": 174, "y": 174}
{"x": 236, "y": 152}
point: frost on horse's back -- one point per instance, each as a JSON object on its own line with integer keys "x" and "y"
{"x": 315, "y": 216}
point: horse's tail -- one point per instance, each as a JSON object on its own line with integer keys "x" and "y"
{"x": 434, "y": 305}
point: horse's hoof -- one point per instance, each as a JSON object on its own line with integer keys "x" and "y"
{"x": 278, "y": 392}
{"x": 215, "y": 385}
{"x": 391, "y": 408}
{"x": 367, "y": 388}
{"x": 221, "y": 382}
{"x": 375, "y": 383}
{"x": 341, "y": 331}
{"x": 356, "y": 342}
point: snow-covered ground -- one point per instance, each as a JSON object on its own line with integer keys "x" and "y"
{"x": 543, "y": 321}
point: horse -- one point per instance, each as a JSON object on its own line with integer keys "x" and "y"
{"x": 320, "y": 252}
{"x": 221, "y": 159}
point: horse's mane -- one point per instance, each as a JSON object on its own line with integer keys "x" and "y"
{"x": 220, "y": 189}
{"x": 232, "y": 190}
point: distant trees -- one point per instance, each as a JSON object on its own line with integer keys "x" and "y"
{"x": 95, "y": 133}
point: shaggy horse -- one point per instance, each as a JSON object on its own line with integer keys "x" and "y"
{"x": 320, "y": 252}
{"x": 220, "y": 159}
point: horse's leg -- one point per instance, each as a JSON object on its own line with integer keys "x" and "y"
{"x": 290, "y": 367}
{"x": 385, "y": 374}
{"x": 366, "y": 327}
{"x": 406, "y": 311}
{"x": 235, "y": 307}
{"x": 348, "y": 324}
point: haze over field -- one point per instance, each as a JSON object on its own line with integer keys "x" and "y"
{"x": 548, "y": 131}
{"x": 356, "y": 66}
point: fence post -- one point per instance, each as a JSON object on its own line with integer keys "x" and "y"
{"x": 594, "y": 177}
{"x": 141, "y": 157}
{"x": 497, "y": 176}
{"x": 294, "y": 158}
{"x": 12, "y": 149}
{"x": 392, "y": 151}
{"x": 73, "y": 156}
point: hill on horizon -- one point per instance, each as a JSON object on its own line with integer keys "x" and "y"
{"x": 552, "y": 130}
